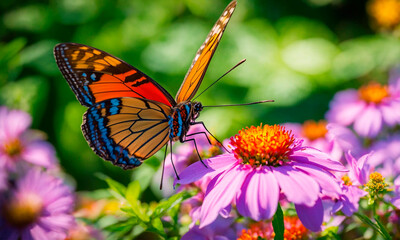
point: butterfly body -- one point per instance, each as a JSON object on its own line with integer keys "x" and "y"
{"x": 182, "y": 116}
{"x": 130, "y": 116}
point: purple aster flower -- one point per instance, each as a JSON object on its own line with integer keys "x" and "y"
{"x": 18, "y": 143}
{"x": 347, "y": 202}
{"x": 368, "y": 109}
{"x": 38, "y": 207}
{"x": 315, "y": 134}
{"x": 267, "y": 161}
{"x": 386, "y": 156}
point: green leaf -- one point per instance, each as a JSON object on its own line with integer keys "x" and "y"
{"x": 375, "y": 226}
{"x": 169, "y": 203}
{"x": 157, "y": 225}
{"x": 382, "y": 229}
{"x": 277, "y": 223}
{"x": 116, "y": 186}
{"x": 132, "y": 195}
{"x": 124, "y": 226}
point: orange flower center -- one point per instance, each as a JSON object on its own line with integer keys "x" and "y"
{"x": 262, "y": 145}
{"x": 313, "y": 130}
{"x": 385, "y": 12}
{"x": 294, "y": 230}
{"x": 373, "y": 93}
{"x": 346, "y": 180}
{"x": 23, "y": 210}
{"x": 13, "y": 148}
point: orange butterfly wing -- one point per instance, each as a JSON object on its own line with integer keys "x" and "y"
{"x": 126, "y": 130}
{"x": 95, "y": 75}
{"x": 196, "y": 72}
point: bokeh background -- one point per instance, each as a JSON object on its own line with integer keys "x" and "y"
{"x": 298, "y": 53}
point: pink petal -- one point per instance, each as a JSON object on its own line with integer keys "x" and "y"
{"x": 343, "y": 136}
{"x": 368, "y": 122}
{"x": 325, "y": 179}
{"x": 40, "y": 153}
{"x": 13, "y": 123}
{"x": 222, "y": 194}
{"x": 316, "y": 157}
{"x": 345, "y": 108}
{"x": 390, "y": 113}
{"x": 197, "y": 170}
{"x": 259, "y": 195}
{"x": 311, "y": 216}
{"x": 297, "y": 186}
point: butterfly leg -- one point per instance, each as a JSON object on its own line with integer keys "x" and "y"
{"x": 163, "y": 165}
{"x": 219, "y": 143}
{"x": 195, "y": 145}
{"x": 173, "y": 165}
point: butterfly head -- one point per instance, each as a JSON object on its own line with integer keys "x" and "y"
{"x": 196, "y": 109}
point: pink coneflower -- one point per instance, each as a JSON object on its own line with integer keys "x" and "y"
{"x": 315, "y": 134}
{"x": 18, "y": 143}
{"x": 368, "y": 109}
{"x": 38, "y": 207}
{"x": 267, "y": 161}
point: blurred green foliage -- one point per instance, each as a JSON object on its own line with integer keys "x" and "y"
{"x": 298, "y": 53}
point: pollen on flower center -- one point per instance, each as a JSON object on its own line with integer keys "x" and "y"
{"x": 262, "y": 145}
{"x": 346, "y": 180}
{"x": 313, "y": 130}
{"x": 23, "y": 210}
{"x": 13, "y": 148}
{"x": 373, "y": 92}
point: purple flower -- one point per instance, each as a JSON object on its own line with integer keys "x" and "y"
{"x": 315, "y": 134}
{"x": 38, "y": 207}
{"x": 347, "y": 202}
{"x": 346, "y": 139}
{"x": 18, "y": 143}
{"x": 267, "y": 161}
{"x": 368, "y": 109}
{"x": 386, "y": 156}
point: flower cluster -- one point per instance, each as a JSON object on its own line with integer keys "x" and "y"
{"x": 34, "y": 204}
{"x": 322, "y": 170}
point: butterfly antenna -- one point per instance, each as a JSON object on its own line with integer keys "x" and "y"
{"x": 240, "y": 104}
{"x": 163, "y": 166}
{"x": 237, "y": 65}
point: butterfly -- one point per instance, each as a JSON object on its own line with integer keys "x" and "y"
{"x": 130, "y": 116}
